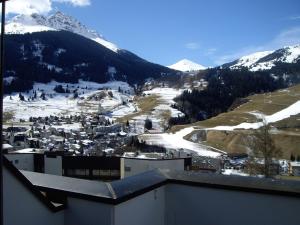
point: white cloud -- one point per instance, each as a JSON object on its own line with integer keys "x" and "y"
{"x": 76, "y": 2}
{"x": 28, "y": 6}
{"x": 294, "y": 18}
{"x": 39, "y": 6}
{"x": 210, "y": 51}
{"x": 284, "y": 38}
{"x": 192, "y": 45}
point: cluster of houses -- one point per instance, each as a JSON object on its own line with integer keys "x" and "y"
{"x": 78, "y": 135}
{"x": 278, "y": 167}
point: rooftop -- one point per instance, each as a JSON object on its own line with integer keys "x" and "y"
{"x": 118, "y": 191}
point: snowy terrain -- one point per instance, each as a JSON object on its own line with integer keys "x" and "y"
{"x": 65, "y": 104}
{"x": 250, "y": 60}
{"x": 293, "y": 109}
{"x": 265, "y": 60}
{"x": 166, "y": 96}
{"x": 177, "y": 141}
{"x": 186, "y": 65}
{"x": 22, "y": 24}
{"x": 165, "y": 100}
{"x": 119, "y": 105}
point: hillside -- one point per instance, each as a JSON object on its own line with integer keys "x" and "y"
{"x": 266, "y": 60}
{"x": 226, "y": 132}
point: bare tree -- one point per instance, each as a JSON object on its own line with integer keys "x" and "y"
{"x": 263, "y": 149}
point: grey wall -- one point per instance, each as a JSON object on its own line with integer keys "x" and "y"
{"x": 146, "y": 209}
{"x": 22, "y": 207}
{"x": 83, "y": 212}
{"x": 53, "y": 165}
{"x": 208, "y": 206}
{"x": 22, "y": 161}
{"x": 139, "y": 165}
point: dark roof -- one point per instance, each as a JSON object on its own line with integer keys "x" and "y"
{"x": 135, "y": 185}
{"x": 31, "y": 188}
{"x": 238, "y": 183}
{"x": 130, "y": 187}
{"x": 71, "y": 186}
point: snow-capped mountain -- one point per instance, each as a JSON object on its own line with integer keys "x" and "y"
{"x": 22, "y": 24}
{"x": 268, "y": 59}
{"x": 60, "y": 48}
{"x": 186, "y": 65}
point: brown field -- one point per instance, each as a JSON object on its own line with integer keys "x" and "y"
{"x": 287, "y": 137}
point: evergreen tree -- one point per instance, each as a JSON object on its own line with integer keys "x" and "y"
{"x": 43, "y": 96}
{"x": 148, "y": 124}
{"x": 22, "y": 98}
{"x": 292, "y": 157}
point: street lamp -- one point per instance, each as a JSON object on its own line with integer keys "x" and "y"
{"x": 1, "y": 104}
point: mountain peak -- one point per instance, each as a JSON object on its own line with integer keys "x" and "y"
{"x": 22, "y": 24}
{"x": 186, "y": 65}
{"x": 266, "y": 60}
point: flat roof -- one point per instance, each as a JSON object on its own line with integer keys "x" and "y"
{"x": 235, "y": 182}
{"x": 68, "y": 185}
{"x": 28, "y": 151}
{"x": 295, "y": 164}
{"x": 6, "y": 146}
{"x": 122, "y": 190}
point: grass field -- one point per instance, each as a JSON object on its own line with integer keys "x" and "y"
{"x": 287, "y": 136}
{"x": 267, "y": 103}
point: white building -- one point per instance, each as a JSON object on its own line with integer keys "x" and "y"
{"x": 295, "y": 168}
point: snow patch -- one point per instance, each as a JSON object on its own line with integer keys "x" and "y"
{"x": 8, "y": 80}
{"x": 293, "y": 109}
{"x": 177, "y": 141}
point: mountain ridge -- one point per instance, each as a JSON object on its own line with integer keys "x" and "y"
{"x": 266, "y": 60}
{"x": 22, "y": 24}
{"x": 60, "y": 48}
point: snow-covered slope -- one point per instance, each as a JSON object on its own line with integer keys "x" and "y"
{"x": 186, "y": 65}
{"x": 267, "y": 60}
{"x": 292, "y": 110}
{"x": 250, "y": 60}
{"x": 22, "y": 24}
{"x": 58, "y": 104}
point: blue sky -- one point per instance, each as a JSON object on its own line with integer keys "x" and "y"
{"x": 208, "y": 32}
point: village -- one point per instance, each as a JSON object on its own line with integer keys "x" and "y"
{"x": 86, "y": 143}
{"x": 78, "y": 135}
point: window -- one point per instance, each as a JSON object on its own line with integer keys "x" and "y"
{"x": 16, "y": 161}
{"x": 96, "y": 172}
{"x": 127, "y": 168}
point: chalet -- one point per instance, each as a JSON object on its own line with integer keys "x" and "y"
{"x": 18, "y": 140}
{"x": 7, "y": 148}
{"x": 295, "y": 168}
{"x": 114, "y": 128}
